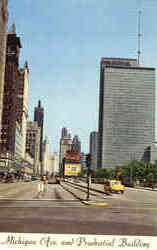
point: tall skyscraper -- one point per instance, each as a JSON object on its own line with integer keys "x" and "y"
{"x": 93, "y": 149}
{"x": 15, "y": 100}
{"x": 64, "y": 132}
{"x": 39, "y": 118}
{"x": 65, "y": 145}
{"x": 11, "y": 85}
{"x": 126, "y": 111}
{"x": 3, "y": 38}
{"x": 22, "y": 102}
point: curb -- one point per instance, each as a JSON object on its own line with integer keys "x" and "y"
{"x": 95, "y": 204}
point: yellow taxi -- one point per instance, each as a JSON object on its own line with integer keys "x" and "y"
{"x": 114, "y": 186}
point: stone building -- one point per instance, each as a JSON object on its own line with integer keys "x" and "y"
{"x": 9, "y": 112}
{"x": 15, "y": 97}
{"x": 45, "y": 156}
{"x": 33, "y": 144}
{"x": 76, "y": 145}
{"x": 65, "y": 145}
{"x": 39, "y": 118}
{"x": 3, "y": 37}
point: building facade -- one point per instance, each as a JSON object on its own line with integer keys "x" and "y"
{"x": 18, "y": 144}
{"x": 39, "y": 118}
{"x": 93, "y": 149}
{"x": 22, "y": 103}
{"x": 65, "y": 145}
{"x": 3, "y": 38}
{"x": 76, "y": 145}
{"x": 9, "y": 112}
{"x": 52, "y": 166}
{"x": 33, "y": 144}
{"x": 45, "y": 156}
{"x": 126, "y": 111}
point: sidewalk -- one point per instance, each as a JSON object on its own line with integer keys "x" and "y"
{"x": 100, "y": 187}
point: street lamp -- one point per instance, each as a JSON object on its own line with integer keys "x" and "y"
{"x": 88, "y": 163}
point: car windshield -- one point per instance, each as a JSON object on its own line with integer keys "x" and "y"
{"x": 116, "y": 183}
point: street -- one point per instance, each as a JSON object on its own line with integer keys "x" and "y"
{"x": 58, "y": 211}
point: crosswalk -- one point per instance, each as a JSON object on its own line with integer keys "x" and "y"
{"x": 39, "y": 203}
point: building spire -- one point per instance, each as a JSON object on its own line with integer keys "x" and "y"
{"x": 39, "y": 104}
{"x": 13, "y": 28}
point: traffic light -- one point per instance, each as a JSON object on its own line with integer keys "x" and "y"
{"x": 88, "y": 160}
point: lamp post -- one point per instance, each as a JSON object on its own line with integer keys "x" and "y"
{"x": 88, "y": 163}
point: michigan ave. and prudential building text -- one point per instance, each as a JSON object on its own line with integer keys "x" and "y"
{"x": 126, "y": 111}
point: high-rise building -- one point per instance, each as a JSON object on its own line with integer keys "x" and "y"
{"x": 39, "y": 118}
{"x": 45, "y": 156}
{"x": 3, "y": 37}
{"x": 64, "y": 132}
{"x": 65, "y": 145}
{"x": 22, "y": 102}
{"x": 76, "y": 145}
{"x": 33, "y": 144}
{"x": 126, "y": 111}
{"x": 15, "y": 98}
{"x": 53, "y": 164}
{"x": 93, "y": 149}
{"x": 10, "y": 107}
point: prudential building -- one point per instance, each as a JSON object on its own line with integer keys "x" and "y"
{"x": 126, "y": 112}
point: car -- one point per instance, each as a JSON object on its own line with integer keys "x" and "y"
{"x": 114, "y": 186}
{"x": 10, "y": 180}
{"x": 34, "y": 178}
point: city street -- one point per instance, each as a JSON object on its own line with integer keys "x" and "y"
{"x": 58, "y": 211}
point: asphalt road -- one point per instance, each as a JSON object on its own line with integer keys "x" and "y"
{"x": 58, "y": 211}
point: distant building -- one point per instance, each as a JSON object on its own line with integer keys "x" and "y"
{"x": 126, "y": 111}
{"x": 93, "y": 146}
{"x": 64, "y": 132}
{"x": 52, "y": 166}
{"x": 3, "y": 37}
{"x": 45, "y": 155}
{"x": 76, "y": 145}
{"x": 39, "y": 118}
{"x": 83, "y": 161}
{"x": 65, "y": 145}
{"x": 33, "y": 144}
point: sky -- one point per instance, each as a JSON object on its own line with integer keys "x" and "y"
{"x": 64, "y": 41}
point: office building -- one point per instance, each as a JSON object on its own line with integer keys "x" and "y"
{"x": 93, "y": 149}
{"x": 39, "y": 118}
{"x": 22, "y": 102}
{"x": 52, "y": 166}
{"x": 126, "y": 111}
{"x": 45, "y": 156}
{"x": 65, "y": 145}
{"x": 10, "y": 111}
{"x": 15, "y": 98}
{"x": 76, "y": 145}
{"x": 3, "y": 38}
{"x": 33, "y": 144}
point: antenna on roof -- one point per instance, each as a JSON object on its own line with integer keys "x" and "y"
{"x": 139, "y": 37}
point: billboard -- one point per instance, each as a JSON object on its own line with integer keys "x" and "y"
{"x": 72, "y": 169}
{"x": 73, "y": 157}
